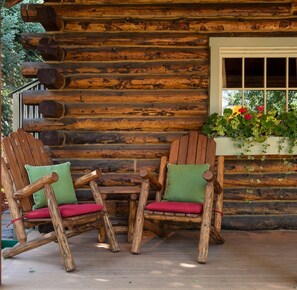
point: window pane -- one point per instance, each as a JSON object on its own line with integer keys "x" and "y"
{"x": 231, "y": 98}
{"x": 253, "y": 99}
{"x": 276, "y": 72}
{"x": 292, "y": 100}
{"x": 254, "y": 72}
{"x": 232, "y": 72}
{"x": 276, "y": 100}
{"x": 292, "y": 73}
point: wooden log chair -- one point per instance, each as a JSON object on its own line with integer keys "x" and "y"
{"x": 188, "y": 159}
{"x": 20, "y": 149}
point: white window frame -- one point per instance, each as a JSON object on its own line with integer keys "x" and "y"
{"x": 222, "y": 47}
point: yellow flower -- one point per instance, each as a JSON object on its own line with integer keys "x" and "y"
{"x": 235, "y": 109}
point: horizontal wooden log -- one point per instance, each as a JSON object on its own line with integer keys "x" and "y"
{"x": 112, "y": 151}
{"x": 263, "y": 180}
{"x": 114, "y": 165}
{"x": 260, "y": 207}
{"x": 45, "y": 15}
{"x": 140, "y": 82}
{"x": 51, "y": 78}
{"x": 76, "y": 39}
{"x": 256, "y": 193}
{"x": 115, "y": 124}
{"x": 119, "y": 179}
{"x": 111, "y": 178}
{"x": 58, "y": 138}
{"x": 288, "y": 164}
{"x": 52, "y": 138}
{"x": 134, "y": 53}
{"x": 129, "y": 110}
{"x": 84, "y": 195}
{"x": 199, "y": 67}
{"x": 204, "y": 25}
{"x": 32, "y": 97}
{"x": 173, "y": 10}
{"x": 51, "y": 109}
{"x": 260, "y": 222}
{"x": 50, "y": 53}
{"x": 142, "y": 2}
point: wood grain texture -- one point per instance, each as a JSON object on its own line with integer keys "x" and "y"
{"x": 137, "y": 73}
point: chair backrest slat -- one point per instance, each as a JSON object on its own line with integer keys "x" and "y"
{"x": 45, "y": 158}
{"x": 211, "y": 153}
{"x": 193, "y": 148}
{"x": 22, "y": 148}
{"x": 25, "y": 147}
{"x": 183, "y": 150}
{"x": 173, "y": 156}
{"x": 201, "y": 149}
{"x": 13, "y": 163}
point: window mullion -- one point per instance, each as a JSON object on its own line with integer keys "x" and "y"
{"x": 243, "y": 80}
{"x": 265, "y": 83}
{"x": 287, "y": 84}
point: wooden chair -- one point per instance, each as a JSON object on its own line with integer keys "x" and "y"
{"x": 194, "y": 148}
{"x": 21, "y": 148}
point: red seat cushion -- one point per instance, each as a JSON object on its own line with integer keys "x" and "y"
{"x": 66, "y": 210}
{"x": 178, "y": 207}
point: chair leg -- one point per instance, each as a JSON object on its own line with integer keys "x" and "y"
{"x": 59, "y": 229}
{"x": 205, "y": 224}
{"x": 132, "y": 216}
{"x": 137, "y": 237}
{"x": 101, "y": 234}
{"x": 216, "y": 236}
{"x": 106, "y": 221}
{"x": 110, "y": 234}
{"x": 138, "y": 228}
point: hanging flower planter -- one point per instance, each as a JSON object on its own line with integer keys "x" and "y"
{"x": 273, "y": 145}
{"x": 242, "y": 131}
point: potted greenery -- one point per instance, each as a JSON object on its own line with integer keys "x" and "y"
{"x": 4, "y": 206}
{"x": 247, "y": 127}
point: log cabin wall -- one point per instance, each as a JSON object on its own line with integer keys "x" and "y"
{"x": 125, "y": 78}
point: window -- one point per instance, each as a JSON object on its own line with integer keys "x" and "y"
{"x": 253, "y": 72}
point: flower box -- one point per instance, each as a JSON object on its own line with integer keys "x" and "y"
{"x": 226, "y": 146}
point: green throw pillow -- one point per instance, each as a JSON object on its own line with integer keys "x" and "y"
{"x": 63, "y": 188}
{"x": 185, "y": 182}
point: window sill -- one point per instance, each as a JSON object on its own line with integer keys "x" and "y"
{"x": 225, "y": 147}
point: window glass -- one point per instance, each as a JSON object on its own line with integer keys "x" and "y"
{"x": 276, "y": 100}
{"x": 253, "y": 99}
{"x": 232, "y": 72}
{"x": 292, "y": 100}
{"x": 232, "y": 98}
{"x": 254, "y": 72}
{"x": 276, "y": 72}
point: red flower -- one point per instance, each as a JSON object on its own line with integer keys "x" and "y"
{"x": 242, "y": 110}
{"x": 260, "y": 108}
{"x": 248, "y": 116}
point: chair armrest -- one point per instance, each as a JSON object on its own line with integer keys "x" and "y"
{"x": 35, "y": 186}
{"x": 210, "y": 177}
{"x": 145, "y": 174}
{"x": 81, "y": 181}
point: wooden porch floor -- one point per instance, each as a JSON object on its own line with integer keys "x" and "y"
{"x": 248, "y": 260}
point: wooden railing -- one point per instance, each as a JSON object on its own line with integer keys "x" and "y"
{"x": 22, "y": 111}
